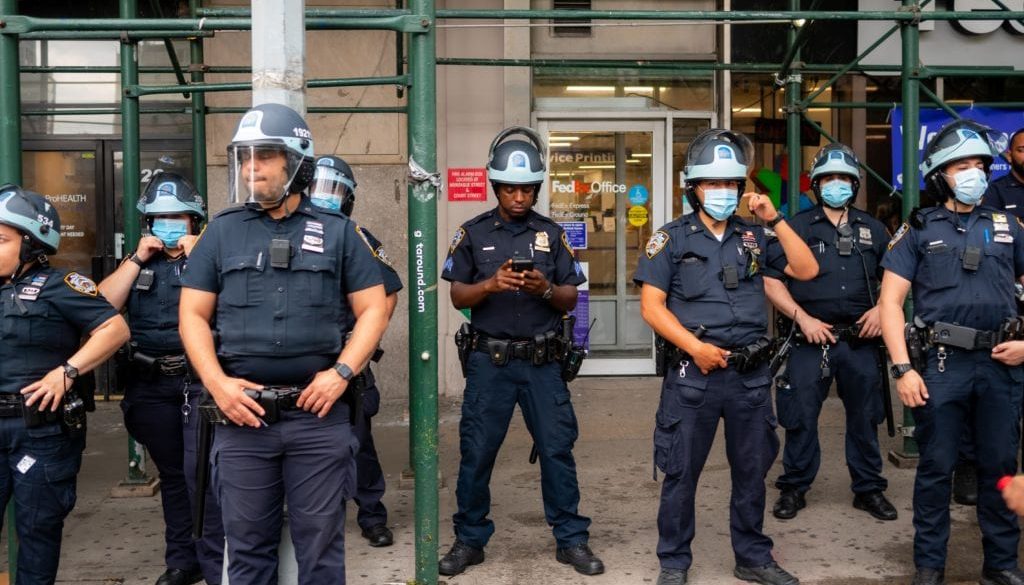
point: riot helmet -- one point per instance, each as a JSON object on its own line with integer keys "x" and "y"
{"x": 716, "y": 154}
{"x": 34, "y": 217}
{"x": 270, "y": 157}
{"x": 334, "y": 185}
{"x": 956, "y": 141}
{"x": 835, "y": 159}
{"x": 516, "y": 162}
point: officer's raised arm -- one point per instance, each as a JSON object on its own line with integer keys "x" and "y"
{"x": 801, "y": 264}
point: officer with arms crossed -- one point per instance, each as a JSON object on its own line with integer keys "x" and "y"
{"x": 334, "y": 187}
{"x": 271, "y": 274}
{"x": 161, "y": 395}
{"x": 516, "y": 270}
{"x": 45, "y": 314}
{"x": 837, "y": 338}
{"x": 961, "y": 261}
{"x": 703, "y": 292}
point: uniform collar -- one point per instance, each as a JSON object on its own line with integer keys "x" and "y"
{"x": 533, "y": 221}
{"x": 693, "y": 225}
{"x": 853, "y": 215}
{"x": 305, "y": 208}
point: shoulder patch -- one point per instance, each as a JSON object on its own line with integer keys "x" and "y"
{"x": 656, "y": 244}
{"x": 769, "y": 233}
{"x": 456, "y": 239}
{"x": 81, "y": 284}
{"x": 898, "y": 235}
{"x": 568, "y": 246}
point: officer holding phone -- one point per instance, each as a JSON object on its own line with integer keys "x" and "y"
{"x": 516, "y": 270}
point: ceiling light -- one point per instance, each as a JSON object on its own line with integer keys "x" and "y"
{"x": 588, "y": 167}
{"x": 590, "y": 88}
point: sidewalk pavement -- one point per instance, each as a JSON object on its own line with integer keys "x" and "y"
{"x": 110, "y": 541}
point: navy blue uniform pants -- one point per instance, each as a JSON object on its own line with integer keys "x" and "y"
{"x": 303, "y": 461}
{"x": 369, "y": 475}
{"x": 691, "y": 405}
{"x": 492, "y": 393}
{"x": 154, "y": 416}
{"x": 39, "y": 469}
{"x": 972, "y": 383}
{"x": 855, "y": 371}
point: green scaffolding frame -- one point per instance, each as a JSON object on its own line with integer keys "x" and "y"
{"x": 419, "y": 22}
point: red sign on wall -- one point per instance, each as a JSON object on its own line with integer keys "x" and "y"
{"x": 469, "y": 184}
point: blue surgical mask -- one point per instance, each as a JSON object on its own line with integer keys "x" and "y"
{"x": 170, "y": 230}
{"x": 970, "y": 186}
{"x": 328, "y": 202}
{"x": 720, "y": 203}
{"x": 836, "y": 193}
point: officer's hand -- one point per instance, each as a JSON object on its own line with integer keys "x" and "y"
{"x": 148, "y": 246}
{"x": 229, "y": 394}
{"x": 48, "y": 391}
{"x": 536, "y": 283}
{"x": 912, "y": 390}
{"x": 1013, "y": 495}
{"x": 187, "y": 243}
{"x": 815, "y": 330}
{"x": 870, "y": 323}
{"x": 709, "y": 357}
{"x": 321, "y": 394}
{"x": 505, "y": 279}
{"x": 1010, "y": 353}
{"x": 761, "y": 206}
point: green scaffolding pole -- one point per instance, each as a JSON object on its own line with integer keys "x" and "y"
{"x": 196, "y": 57}
{"x": 909, "y": 34}
{"x": 130, "y": 193}
{"x": 794, "y": 87}
{"x": 423, "y": 322}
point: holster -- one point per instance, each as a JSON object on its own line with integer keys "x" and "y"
{"x": 917, "y": 349}
{"x": 464, "y": 345}
{"x": 749, "y": 358}
{"x": 353, "y": 397}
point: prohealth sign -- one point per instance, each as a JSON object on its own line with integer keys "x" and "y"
{"x": 1004, "y": 121}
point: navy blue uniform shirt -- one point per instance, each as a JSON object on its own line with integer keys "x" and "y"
{"x": 271, "y": 320}
{"x": 153, "y": 310}
{"x": 45, "y": 314}
{"x": 486, "y": 242}
{"x": 931, "y": 258}
{"x": 1006, "y": 193}
{"x": 840, "y": 293}
{"x": 686, "y": 261}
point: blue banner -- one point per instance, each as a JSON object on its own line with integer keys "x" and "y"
{"x": 933, "y": 119}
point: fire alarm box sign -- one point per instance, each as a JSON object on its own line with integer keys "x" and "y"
{"x": 468, "y": 184}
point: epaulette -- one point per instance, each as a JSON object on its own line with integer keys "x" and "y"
{"x": 231, "y": 210}
{"x": 485, "y": 215}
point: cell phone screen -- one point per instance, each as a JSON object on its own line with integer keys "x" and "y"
{"x": 522, "y": 264}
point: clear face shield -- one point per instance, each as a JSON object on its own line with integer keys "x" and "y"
{"x": 330, "y": 188}
{"x": 260, "y": 174}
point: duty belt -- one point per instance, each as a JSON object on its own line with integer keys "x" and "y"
{"x": 11, "y": 405}
{"x": 542, "y": 349}
{"x": 744, "y": 359}
{"x": 168, "y": 365}
{"x": 968, "y": 338}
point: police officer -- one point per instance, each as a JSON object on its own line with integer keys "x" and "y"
{"x": 839, "y": 329}
{"x": 516, "y": 270}
{"x": 270, "y": 274}
{"x": 1005, "y": 194}
{"x": 46, "y": 312}
{"x": 961, "y": 260}
{"x": 702, "y": 290}
{"x": 161, "y": 395}
{"x": 334, "y": 187}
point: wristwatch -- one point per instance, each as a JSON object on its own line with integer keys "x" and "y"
{"x": 775, "y": 220}
{"x": 343, "y": 370}
{"x": 550, "y": 292}
{"x": 898, "y": 370}
{"x": 70, "y": 371}
{"x": 136, "y": 260}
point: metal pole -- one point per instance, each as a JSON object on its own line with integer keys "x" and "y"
{"x": 909, "y": 34}
{"x": 794, "y": 84}
{"x": 130, "y": 192}
{"x": 279, "y": 53}
{"x": 423, "y": 322}
{"x": 196, "y": 57}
